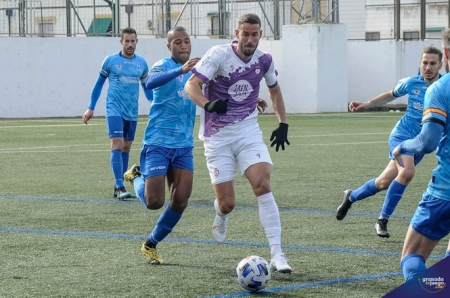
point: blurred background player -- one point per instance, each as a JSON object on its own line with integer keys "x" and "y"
{"x": 125, "y": 70}
{"x": 395, "y": 178}
{"x": 230, "y": 130}
{"x": 168, "y": 142}
{"x": 431, "y": 221}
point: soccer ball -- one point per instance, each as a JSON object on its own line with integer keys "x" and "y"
{"x": 253, "y": 273}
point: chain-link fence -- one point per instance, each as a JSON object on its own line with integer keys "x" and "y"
{"x": 394, "y": 19}
{"x": 365, "y": 19}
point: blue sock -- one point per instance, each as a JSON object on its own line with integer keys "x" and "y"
{"x": 166, "y": 221}
{"x": 393, "y": 195}
{"x": 116, "y": 166}
{"x": 447, "y": 253}
{"x": 125, "y": 158}
{"x": 412, "y": 265}
{"x": 139, "y": 189}
{"x": 368, "y": 189}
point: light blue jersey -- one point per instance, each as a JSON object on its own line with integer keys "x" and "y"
{"x": 172, "y": 114}
{"x": 125, "y": 75}
{"x": 409, "y": 125}
{"x": 437, "y": 109}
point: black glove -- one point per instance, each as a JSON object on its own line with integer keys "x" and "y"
{"x": 219, "y": 106}
{"x": 279, "y": 136}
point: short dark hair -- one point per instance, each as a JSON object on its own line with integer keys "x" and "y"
{"x": 433, "y": 50}
{"x": 127, "y": 30}
{"x": 249, "y": 18}
{"x": 173, "y": 30}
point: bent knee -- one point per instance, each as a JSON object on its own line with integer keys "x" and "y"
{"x": 407, "y": 174}
{"x": 153, "y": 204}
{"x": 179, "y": 205}
{"x": 226, "y": 206}
{"x": 261, "y": 188}
{"x": 383, "y": 184}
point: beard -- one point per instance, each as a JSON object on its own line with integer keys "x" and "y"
{"x": 247, "y": 52}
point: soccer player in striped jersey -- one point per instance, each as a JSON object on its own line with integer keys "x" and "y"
{"x": 125, "y": 71}
{"x": 230, "y": 131}
{"x": 431, "y": 221}
{"x": 395, "y": 178}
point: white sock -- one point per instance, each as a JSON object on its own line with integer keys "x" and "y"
{"x": 270, "y": 220}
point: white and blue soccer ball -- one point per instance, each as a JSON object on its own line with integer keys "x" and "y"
{"x": 253, "y": 273}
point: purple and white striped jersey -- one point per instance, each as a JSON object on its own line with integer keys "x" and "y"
{"x": 227, "y": 76}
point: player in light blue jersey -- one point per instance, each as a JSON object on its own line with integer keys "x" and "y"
{"x": 395, "y": 178}
{"x": 168, "y": 141}
{"x": 125, "y": 71}
{"x": 431, "y": 221}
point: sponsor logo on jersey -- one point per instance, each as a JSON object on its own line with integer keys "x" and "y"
{"x": 206, "y": 61}
{"x": 240, "y": 90}
{"x": 157, "y": 168}
{"x": 418, "y": 106}
{"x": 131, "y": 80}
{"x": 181, "y": 93}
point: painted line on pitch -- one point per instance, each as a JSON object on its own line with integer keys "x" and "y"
{"x": 326, "y": 212}
{"x": 51, "y": 150}
{"x": 203, "y": 241}
{"x": 48, "y": 125}
{"x": 309, "y": 285}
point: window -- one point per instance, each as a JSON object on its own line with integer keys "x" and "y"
{"x": 44, "y": 26}
{"x": 100, "y": 26}
{"x": 411, "y": 35}
{"x": 162, "y": 21}
{"x": 372, "y": 36}
{"x": 46, "y": 29}
{"x": 214, "y": 16}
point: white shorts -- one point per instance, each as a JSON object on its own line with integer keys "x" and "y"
{"x": 224, "y": 153}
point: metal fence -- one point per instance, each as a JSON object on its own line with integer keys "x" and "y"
{"x": 365, "y": 19}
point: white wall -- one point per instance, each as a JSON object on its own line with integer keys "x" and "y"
{"x": 309, "y": 50}
{"x": 375, "y": 67}
{"x": 53, "y": 77}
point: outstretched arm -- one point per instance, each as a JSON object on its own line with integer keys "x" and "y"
{"x": 381, "y": 99}
{"x": 160, "y": 78}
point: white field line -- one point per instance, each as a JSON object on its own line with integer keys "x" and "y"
{"x": 79, "y": 122}
{"x": 53, "y": 149}
{"x": 50, "y": 125}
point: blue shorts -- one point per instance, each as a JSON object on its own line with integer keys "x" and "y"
{"x": 394, "y": 142}
{"x": 432, "y": 217}
{"x": 121, "y": 128}
{"x": 156, "y": 160}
